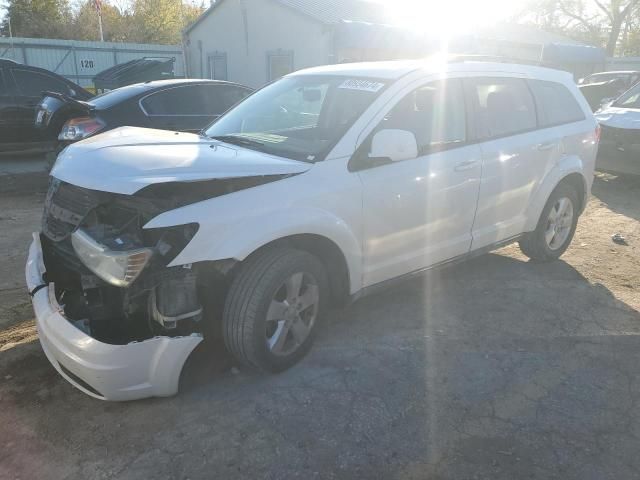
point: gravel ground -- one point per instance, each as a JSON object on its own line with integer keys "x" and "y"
{"x": 493, "y": 369}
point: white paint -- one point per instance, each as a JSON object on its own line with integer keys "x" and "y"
{"x": 387, "y": 221}
{"x": 150, "y": 368}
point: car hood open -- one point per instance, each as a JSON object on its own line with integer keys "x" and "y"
{"x": 127, "y": 159}
{"x": 619, "y": 118}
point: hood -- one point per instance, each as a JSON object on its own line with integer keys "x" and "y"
{"x": 619, "y": 117}
{"x": 127, "y": 159}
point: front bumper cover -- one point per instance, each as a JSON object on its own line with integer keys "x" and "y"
{"x": 150, "y": 368}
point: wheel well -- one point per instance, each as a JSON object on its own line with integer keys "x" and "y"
{"x": 329, "y": 254}
{"x": 576, "y": 181}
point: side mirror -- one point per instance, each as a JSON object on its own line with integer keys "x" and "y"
{"x": 396, "y": 145}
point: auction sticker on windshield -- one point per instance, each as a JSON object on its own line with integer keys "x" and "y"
{"x": 366, "y": 85}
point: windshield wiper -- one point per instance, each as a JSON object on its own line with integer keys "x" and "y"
{"x": 238, "y": 140}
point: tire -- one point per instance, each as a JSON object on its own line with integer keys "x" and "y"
{"x": 536, "y": 245}
{"x": 264, "y": 323}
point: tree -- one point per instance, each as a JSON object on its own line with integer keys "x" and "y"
{"x": 140, "y": 21}
{"x": 162, "y": 21}
{"x": 38, "y": 18}
{"x": 596, "y": 21}
{"x": 117, "y": 25}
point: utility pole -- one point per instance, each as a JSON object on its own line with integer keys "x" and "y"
{"x": 13, "y": 55}
{"x": 98, "y": 5}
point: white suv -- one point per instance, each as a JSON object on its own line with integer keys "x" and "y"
{"x": 317, "y": 188}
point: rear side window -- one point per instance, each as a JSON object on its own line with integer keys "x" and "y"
{"x": 32, "y": 84}
{"x": 190, "y": 100}
{"x": 555, "y": 103}
{"x": 435, "y": 114}
{"x": 504, "y": 106}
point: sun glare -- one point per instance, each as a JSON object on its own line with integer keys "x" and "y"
{"x": 446, "y": 18}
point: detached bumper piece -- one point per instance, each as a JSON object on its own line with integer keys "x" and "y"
{"x": 138, "y": 369}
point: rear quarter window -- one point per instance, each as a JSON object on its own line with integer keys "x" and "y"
{"x": 555, "y": 104}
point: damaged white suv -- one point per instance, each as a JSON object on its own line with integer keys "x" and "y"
{"x": 317, "y": 188}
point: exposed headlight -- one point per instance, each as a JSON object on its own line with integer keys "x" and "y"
{"x": 79, "y": 128}
{"x": 118, "y": 268}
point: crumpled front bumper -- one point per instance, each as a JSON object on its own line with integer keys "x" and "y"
{"x": 150, "y": 368}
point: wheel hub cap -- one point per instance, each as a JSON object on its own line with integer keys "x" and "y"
{"x": 292, "y": 313}
{"x": 559, "y": 223}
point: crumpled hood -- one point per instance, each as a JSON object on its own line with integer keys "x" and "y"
{"x": 619, "y": 117}
{"x": 127, "y": 159}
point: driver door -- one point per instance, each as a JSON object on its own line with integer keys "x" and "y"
{"x": 420, "y": 212}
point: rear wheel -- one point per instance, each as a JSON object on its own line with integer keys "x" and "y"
{"x": 273, "y": 307}
{"x": 556, "y": 226}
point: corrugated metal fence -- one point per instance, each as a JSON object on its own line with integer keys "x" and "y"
{"x": 81, "y": 61}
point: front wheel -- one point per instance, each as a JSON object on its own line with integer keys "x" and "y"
{"x": 556, "y": 226}
{"x": 273, "y": 307}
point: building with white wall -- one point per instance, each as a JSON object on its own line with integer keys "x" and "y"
{"x": 256, "y": 41}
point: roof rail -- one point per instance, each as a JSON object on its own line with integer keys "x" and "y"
{"x": 453, "y": 58}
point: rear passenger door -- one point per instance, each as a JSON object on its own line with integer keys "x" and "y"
{"x": 190, "y": 107}
{"x": 515, "y": 155}
{"x": 29, "y": 87}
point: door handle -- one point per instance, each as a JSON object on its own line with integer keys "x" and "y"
{"x": 545, "y": 146}
{"x": 466, "y": 165}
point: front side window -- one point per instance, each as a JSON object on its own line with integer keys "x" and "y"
{"x": 223, "y": 97}
{"x": 435, "y": 114}
{"x": 504, "y": 106}
{"x": 32, "y": 84}
{"x": 184, "y": 100}
{"x": 299, "y": 117}
{"x": 555, "y": 103}
{"x": 630, "y": 99}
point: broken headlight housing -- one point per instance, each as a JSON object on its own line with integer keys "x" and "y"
{"x": 117, "y": 267}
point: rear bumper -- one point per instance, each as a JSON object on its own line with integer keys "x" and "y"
{"x": 150, "y": 368}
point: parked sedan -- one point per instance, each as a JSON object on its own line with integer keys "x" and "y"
{"x": 182, "y": 105}
{"x": 602, "y": 87}
{"x": 21, "y": 88}
{"x": 620, "y": 141}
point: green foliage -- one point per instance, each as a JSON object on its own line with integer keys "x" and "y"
{"x": 142, "y": 21}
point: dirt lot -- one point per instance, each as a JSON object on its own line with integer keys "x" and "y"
{"x": 494, "y": 369}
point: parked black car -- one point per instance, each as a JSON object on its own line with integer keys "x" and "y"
{"x": 21, "y": 88}
{"x": 183, "y": 105}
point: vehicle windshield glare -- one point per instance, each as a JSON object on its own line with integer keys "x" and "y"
{"x": 630, "y": 99}
{"x": 299, "y": 117}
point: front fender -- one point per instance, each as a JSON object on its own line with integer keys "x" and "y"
{"x": 228, "y": 236}
{"x": 566, "y": 166}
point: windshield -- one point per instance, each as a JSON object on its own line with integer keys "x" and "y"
{"x": 629, "y": 99}
{"x": 299, "y": 117}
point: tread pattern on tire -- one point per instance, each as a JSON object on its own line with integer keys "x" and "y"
{"x": 243, "y": 300}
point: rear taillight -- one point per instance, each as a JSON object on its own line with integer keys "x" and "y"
{"x": 597, "y": 134}
{"x": 79, "y": 128}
